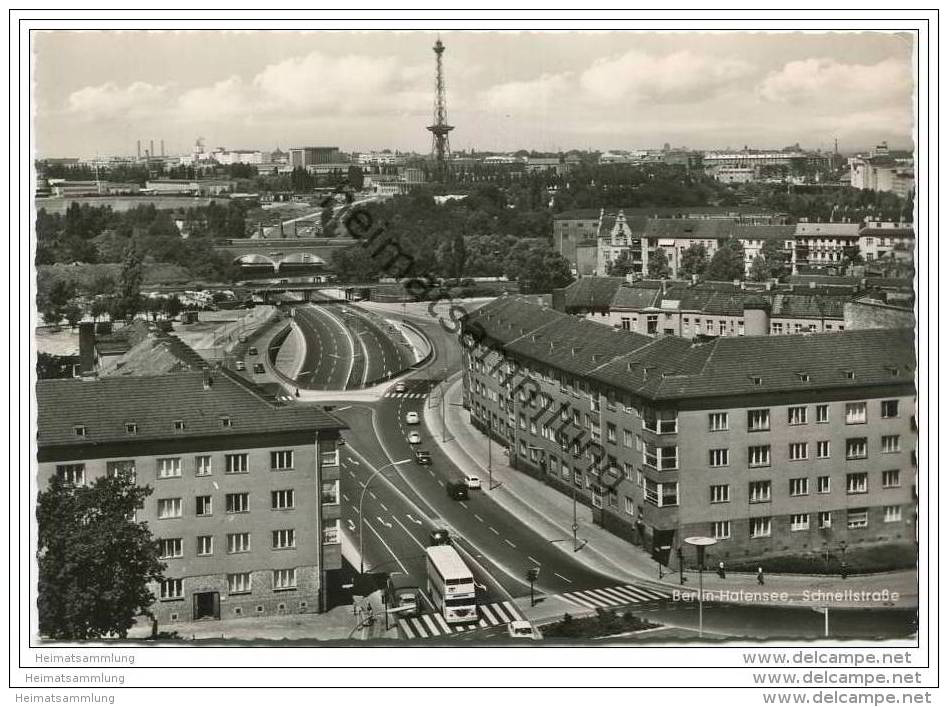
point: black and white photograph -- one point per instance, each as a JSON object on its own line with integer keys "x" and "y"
{"x": 566, "y": 344}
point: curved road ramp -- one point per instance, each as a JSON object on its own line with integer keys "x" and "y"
{"x": 335, "y": 346}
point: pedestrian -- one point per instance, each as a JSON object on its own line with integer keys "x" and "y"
{"x": 721, "y": 573}
{"x": 843, "y": 570}
{"x": 297, "y": 392}
{"x": 760, "y": 575}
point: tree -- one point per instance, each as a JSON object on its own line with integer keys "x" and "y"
{"x": 776, "y": 258}
{"x": 73, "y": 314}
{"x": 694, "y": 260}
{"x": 172, "y": 306}
{"x": 621, "y": 266}
{"x": 759, "y": 269}
{"x": 99, "y": 308}
{"x": 728, "y": 262}
{"x": 540, "y": 269}
{"x": 95, "y": 563}
{"x": 458, "y": 256}
{"x": 128, "y": 302}
{"x": 325, "y": 218}
{"x": 658, "y": 268}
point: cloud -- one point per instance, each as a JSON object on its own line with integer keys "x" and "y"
{"x": 679, "y": 77}
{"x": 109, "y": 100}
{"x": 817, "y": 80}
{"x": 538, "y": 95}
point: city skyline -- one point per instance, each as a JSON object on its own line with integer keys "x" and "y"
{"x": 505, "y": 91}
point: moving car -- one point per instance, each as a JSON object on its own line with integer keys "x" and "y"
{"x": 457, "y": 491}
{"x": 400, "y": 387}
{"x": 414, "y": 438}
{"x": 522, "y": 629}
{"x": 439, "y": 536}
{"x": 252, "y": 351}
{"x": 471, "y": 481}
{"x": 411, "y": 418}
{"x": 240, "y": 366}
{"x": 423, "y": 456}
{"x": 258, "y": 368}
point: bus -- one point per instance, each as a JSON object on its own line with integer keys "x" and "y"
{"x": 451, "y": 585}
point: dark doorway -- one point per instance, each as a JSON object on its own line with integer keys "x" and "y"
{"x": 207, "y": 605}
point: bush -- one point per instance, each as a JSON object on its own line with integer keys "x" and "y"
{"x": 887, "y": 557}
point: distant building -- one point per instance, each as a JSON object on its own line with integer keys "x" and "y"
{"x": 66, "y": 189}
{"x": 239, "y": 157}
{"x": 312, "y": 156}
{"x": 735, "y": 175}
{"x": 883, "y": 170}
{"x": 200, "y": 187}
{"x": 824, "y": 244}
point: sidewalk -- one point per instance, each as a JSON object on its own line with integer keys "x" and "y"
{"x": 550, "y": 513}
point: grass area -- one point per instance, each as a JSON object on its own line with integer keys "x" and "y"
{"x": 860, "y": 559}
{"x": 604, "y": 623}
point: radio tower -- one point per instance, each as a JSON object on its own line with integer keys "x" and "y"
{"x": 440, "y": 148}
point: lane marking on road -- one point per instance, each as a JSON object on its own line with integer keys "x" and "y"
{"x": 493, "y": 530}
{"x": 430, "y": 472}
{"x": 479, "y": 518}
{"x": 383, "y": 522}
{"x": 354, "y": 509}
{"x": 413, "y": 519}
{"x": 384, "y": 507}
{"x": 391, "y": 552}
{"x": 374, "y": 497}
{"x": 565, "y": 579}
{"x": 345, "y": 498}
{"x": 462, "y": 503}
{"x": 440, "y": 483}
{"x": 352, "y": 526}
{"x": 509, "y": 543}
{"x": 536, "y": 562}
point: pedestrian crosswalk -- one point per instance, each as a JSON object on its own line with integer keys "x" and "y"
{"x": 620, "y": 595}
{"x": 431, "y": 625}
{"x": 414, "y": 396}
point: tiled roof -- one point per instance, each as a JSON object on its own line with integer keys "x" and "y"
{"x": 906, "y": 232}
{"x": 827, "y": 229}
{"x": 718, "y": 229}
{"x": 670, "y": 368}
{"x": 104, "y": 405}
{"x": 632, "y": 297}
{"x": 808, "y": 306}
{"x": 592, "y": 292}
{"x": 155, "y": 354}
{"x": 839, "y": 280}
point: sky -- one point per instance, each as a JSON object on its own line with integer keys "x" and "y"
{"x": 96, "y": 93}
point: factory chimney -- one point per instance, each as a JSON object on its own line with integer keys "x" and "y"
{"x": 138, "y": 148}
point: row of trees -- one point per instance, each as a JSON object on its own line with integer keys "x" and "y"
{"x": 727, "y": 263}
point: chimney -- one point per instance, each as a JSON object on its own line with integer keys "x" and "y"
{"x": 151, "y": 148}
{"x": 86, "y": 347}
{"x": 162, "y": 148}
{"x": 138, "y": 148}
{"x": 206, "y": 383}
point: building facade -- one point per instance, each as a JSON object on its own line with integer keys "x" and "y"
{"x": 245, "y": 490}
{"x": 311, "y": 156}
{"x": 768, "y": 444}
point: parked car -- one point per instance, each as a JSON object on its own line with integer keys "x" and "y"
{"x": 522, "y": 629}
{"x": 252, "y": 351}
{"x": 471, "y": 481}
{"x": 423, "y": 456}
{"x": 258, "y": 368}
{"x": 457, "y": 490}
{"x": 414, "y": 438}
{"x": 241, "y": 366}
{"x": 412, "y": 418}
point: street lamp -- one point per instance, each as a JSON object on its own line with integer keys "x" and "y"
{"x": 362, "y": 498}
{"x": 572, "y": 482}
{"x": 700, "y": 543}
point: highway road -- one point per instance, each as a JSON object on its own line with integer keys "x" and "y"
{"x": 347, "y": 348}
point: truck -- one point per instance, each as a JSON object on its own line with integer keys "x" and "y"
{"x": 404, "y": 594}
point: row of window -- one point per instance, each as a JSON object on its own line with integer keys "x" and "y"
{"x": 281, "y": 500}
{"x": 759, "y": 420}
{"x": 237, "y": 583}
{"x": 171, "y": 467}
{"x": 856, "y": 448}
{"x": 760, "y": 491}
{"x": 282, "y": 539}
{"x": 131, "y": 428}
{"x": 763, "y": 527}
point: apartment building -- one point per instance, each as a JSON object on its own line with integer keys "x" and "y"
{"x": 767, "y": 444}
{"x": 703, "y": 309}
{"x": 823, "y": 244}
{"x": 245, "y": 500}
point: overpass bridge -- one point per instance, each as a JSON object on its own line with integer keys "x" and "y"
{"x": 276, "y": 253}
